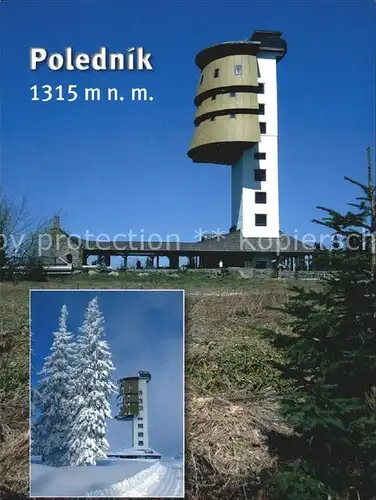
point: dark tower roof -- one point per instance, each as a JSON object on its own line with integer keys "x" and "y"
{"x": 261, "y": 40}
{"x": 270, "y": 41}
{"x": 263, "y": 34}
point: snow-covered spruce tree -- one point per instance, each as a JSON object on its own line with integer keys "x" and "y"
{"x": 53, "y": 399}
{"x": 331, "y": 363}
{"x": 34, "y": 394}
{"x": 94, "y": 387}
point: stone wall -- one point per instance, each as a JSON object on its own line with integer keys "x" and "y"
{"x": 252, "y": 272}
{"x": 60, "y": 245}
{"x": 243, "y": 272}
{"x": 303, "y": 275}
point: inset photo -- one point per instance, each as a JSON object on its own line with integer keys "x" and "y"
{"x": 107, "y": 393}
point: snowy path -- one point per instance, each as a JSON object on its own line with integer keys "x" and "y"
{"x": 111, "y": 478}
{"x": 162, "y": 479}
{"x": 172, "y": 484}
{"x": 77, "y": 481}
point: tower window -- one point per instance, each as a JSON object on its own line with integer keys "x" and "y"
{"x": 261, "y": 109}
{"x": 140, "y": 434}
{"x": 140, "y": 400}
{"x": 260, "y": 174}
{"x": 140, "y": 418}
{"x": 232, "y": 115}
{"x": 140, "y": 407}
{"x": 260, "y": 197}
{"x": 140, "y": 443}
{"x": 261, "y": 88}
{"x": 238, "y": 69}
{"x": 260, "y": 219}
{"x": 232, "y": 94}
{"x": 263, "y": 127}
{"x": 140, "y": 426}
{"x": 216, "y": 73}
{"x": 259, "y": 156}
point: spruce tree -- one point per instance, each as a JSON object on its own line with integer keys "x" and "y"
{"x": 34, "y": 404}
{"x": 53, "y": 399}
{"x": 331, "y": 364}
{"x": 94, "y": 388}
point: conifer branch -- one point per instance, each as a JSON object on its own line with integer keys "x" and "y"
{"x": 363, "y": 187}
{"x": 373, "y": 213}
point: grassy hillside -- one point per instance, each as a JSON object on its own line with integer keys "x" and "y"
{"x": 232, "y": 389}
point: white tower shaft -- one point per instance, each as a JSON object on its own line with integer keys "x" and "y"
{"x": 250, "y": 214}
{"x": 140, "y": 431}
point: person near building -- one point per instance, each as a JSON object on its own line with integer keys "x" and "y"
{"x": 220, "y": 265}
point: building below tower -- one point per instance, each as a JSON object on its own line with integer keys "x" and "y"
{"x": 232, "y": 248}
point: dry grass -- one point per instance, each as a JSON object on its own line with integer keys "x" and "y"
{"x": 14, "y": 463}
{"x": 232, "y": 394}
{"x": 14, "y": 392}
{"x": 226, "y": 452}
{"x": 229, "y": 434}
{"x": 220, "y": 314}
{"x": 14, "y": 439}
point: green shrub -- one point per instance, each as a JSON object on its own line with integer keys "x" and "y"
{"x": 330, "y": 362}
{"x": 34, "y": 270}
{"x": 12, "y": 377}
{"x": 297, "y": 484}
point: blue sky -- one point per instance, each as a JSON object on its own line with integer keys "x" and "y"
{"x": 111, "y": 167}
{"x": 145, "y": 332}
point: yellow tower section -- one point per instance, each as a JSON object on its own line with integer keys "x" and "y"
{"x": 227, "y": 114}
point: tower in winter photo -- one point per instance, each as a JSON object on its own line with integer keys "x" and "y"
{"x": 80, "y": 444}
{"x": 133, "y": 407}
{"x": 236, "y": 124}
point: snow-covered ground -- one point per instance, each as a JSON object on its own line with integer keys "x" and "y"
{"x": 113, "y": 477}
{"x": 172, "y": 483}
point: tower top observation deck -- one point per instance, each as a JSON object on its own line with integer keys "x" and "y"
{"x": 260, "y": 40}
{"x": 227, "y": 117}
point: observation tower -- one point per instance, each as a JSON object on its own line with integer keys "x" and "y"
{"x": 133, "y": 407}
{"x": 236, "y": 123}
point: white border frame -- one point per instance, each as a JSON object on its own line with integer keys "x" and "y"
{"x": 30, "y": 370}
